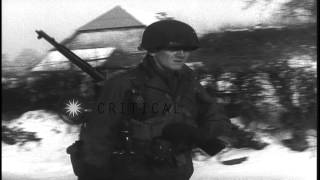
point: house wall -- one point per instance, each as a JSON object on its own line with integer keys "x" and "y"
{"x": 126, "y": 39}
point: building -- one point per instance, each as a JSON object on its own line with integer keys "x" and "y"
{"x": 108, "y": 42}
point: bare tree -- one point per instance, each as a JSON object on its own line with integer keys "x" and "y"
{"x": 293, "y": 11}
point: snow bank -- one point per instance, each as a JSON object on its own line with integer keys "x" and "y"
{"x": 44, "y": 159}
{"x": 48, "y": 160}
{"x": 275, "y": 162}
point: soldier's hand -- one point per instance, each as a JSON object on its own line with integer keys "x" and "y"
{"x": 160, "y": 152}
{"x": 185, "y": 137}
{"x": 181, "y": 133}
{"x": 182, "y": 136}
{"x": 227, "y": 141}
{"x": 212, "y": 146}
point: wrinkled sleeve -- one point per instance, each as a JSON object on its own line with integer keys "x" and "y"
{"x": 212, "y": 118}
{"x": 101, "y": 130}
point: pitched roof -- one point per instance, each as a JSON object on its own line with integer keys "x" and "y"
{"x": 115, "y": 18}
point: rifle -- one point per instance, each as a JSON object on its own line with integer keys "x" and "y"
{"x": 83, "y": 65}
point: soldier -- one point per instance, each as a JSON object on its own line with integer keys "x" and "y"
{"x": 148, "y": 119}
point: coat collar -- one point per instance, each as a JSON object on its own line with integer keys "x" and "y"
{"x": 156, "y": 80}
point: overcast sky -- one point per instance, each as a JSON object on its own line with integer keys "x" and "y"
{"x": 60, "y": 18}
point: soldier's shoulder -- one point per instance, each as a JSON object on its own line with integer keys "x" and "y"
{"x": 126, "y": 75}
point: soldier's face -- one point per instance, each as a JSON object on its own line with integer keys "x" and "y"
{"x": 170, "y": 59}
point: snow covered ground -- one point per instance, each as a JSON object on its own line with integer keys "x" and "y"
{"x": 275, "y": 162}
{"x": 48, "y": 160}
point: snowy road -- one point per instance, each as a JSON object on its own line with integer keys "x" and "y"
{"x": 48, "y": 160}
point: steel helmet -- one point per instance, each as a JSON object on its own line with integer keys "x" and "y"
{"x": 169, "y": 34}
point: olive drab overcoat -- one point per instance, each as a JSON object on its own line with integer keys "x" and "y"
{"x": 149, "y": 98}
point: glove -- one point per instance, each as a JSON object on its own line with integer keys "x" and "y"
{"x": 160, "y": 152}
{"x": 212, "y": 146}
{"x": 184, "y": 137}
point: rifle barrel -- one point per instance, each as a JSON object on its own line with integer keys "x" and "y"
{"x": 83, "y": 65}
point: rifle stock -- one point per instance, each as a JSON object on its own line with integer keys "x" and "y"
{"x": 83, "y": 65}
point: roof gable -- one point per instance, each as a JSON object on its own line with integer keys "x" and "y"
{"x": 115, "y": 18}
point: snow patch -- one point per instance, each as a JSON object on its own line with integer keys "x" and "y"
{"x": 273, "y": 162}
{"x": 46, "y": 158}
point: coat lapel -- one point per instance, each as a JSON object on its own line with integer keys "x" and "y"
{"x": 158, "y": 84}
{"x": 185, "y": 82}
{"x": 155, "y": 81}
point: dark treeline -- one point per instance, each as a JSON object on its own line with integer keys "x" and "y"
{"x": 266, "y": 83}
